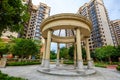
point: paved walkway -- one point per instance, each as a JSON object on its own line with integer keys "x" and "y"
{"x": 31, "y": 73}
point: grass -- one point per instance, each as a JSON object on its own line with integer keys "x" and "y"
{"x": 22, "y": 63}
{"x": 103, "y": 65}
{"x": 68, "y": 62}
{"x": 97, "y": 64}
{"x": 6, "y": 77}
{"x": 118, "y": 67}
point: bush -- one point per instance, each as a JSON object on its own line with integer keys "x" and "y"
{"x": 72, "y": 62}
{"x": 6, "y": 77}
{"x": 68, "y": 62}
{"x": 118, "y": 68}
{"x": 22, "y": 63}
{"x": 115, "y": 63}
{"x": 103, "y": 65}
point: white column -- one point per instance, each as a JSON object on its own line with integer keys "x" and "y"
{"x": 79, "y": 52}
{"x": 47, "y": 56}
{"x": 58, "y": 54}
{"x": 90, "y": 62}
{"x": 44, "y": 53}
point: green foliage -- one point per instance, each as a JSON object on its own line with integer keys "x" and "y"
{"x": 64, "y": 53}
{"x": 22, "y": 63}
{"x": 109, "y": 50}
{"x": 6, "y": 77}
{"x": 71, "y": 52}
{"x": 13, "y": 15}
{"x": 69, "y": 62}
{"x": 117, "y": 51}
{"x": 52, "y": 54}
{"x": 3, "y": 48}
{"x": 101, "y": 65}
{"x": 99, "y": 53}
{"x": 83, "y": 53}
{"x": 115, "y": 63}
{"x": 105, "y": 52}
{"x": 118, "y": 68}
{"x": 24, "y": 47}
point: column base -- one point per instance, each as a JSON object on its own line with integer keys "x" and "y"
{"x": 90, "y": 64}
{"x": 42, "y": 64}
{"x": 75, "y": 64}
{"x": 80, "y": 68}
{"x": 57, "y": 62}
{"x": 46, "y": 65}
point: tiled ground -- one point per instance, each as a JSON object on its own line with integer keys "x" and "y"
{"x": 31, "y": 73}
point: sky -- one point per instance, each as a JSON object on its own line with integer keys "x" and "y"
{"x": 72, "y": 6}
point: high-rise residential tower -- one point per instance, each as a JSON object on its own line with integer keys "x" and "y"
{"x": 115, "y": 29}
{"x": 29, "y": 9}
{"x": 38, "y": 13}
{"x": 97, "y": 13}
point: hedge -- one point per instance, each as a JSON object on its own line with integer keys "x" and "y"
{"x": 22, "y": 63}
{"x": 6, "y": 77}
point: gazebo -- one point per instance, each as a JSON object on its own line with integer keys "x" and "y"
{"x": 81, "y": 27}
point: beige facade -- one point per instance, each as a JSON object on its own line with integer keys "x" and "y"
{"x": 115, "y": 29}
{"x": 29, "y": 5}
{"x": 100, "y": 34}
{"x": 7, "y": 34}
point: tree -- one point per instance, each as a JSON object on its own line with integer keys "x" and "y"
{"x": 3, "y": 48}
{"x": 118, "y": 51}
{"x": 64, "y": 53}
{"x": 52, "y": 54}
{"x": 13, "y": 15}
{"x": 99, "y": 53}
{"x": 71, "y": 52}
{"x": 105, "y": 52}
{"x": 24, "y": 47}
{"x": 109, "y": 51}
{"x": 117, "y": 55}
{"x": 84, "y": 53}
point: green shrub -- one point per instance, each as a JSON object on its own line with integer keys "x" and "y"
{"x": 118, "y": 68}
{"x": 115, "y": 63}
{"x": 6, "y": 77}
{"x": 68, "y": 62}
{"x": 101, "y": 65}
{"x": 72, "y": 62}
{"x": 22, "y": 63}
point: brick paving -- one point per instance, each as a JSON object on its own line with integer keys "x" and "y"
{"x": 31, "y": 73}
{"x": 112, "y": 66}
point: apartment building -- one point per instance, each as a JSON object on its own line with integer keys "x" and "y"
{"x": 38, "y": 13}
{"x": 97, "y": 13}
{"x": 30, "y": 8}
{"x": 115, "y": 29}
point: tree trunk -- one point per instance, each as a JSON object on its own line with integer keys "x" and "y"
{"x": 101, "y": 60}
{"x": 110, "y": 61}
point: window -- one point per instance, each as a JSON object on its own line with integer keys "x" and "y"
{"x": 37, "y": 34}
{"x": 37, "y": 30}
{"x": 37, "y": 38}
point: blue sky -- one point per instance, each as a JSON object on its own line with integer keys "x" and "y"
{"x": 72, "y": 6}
